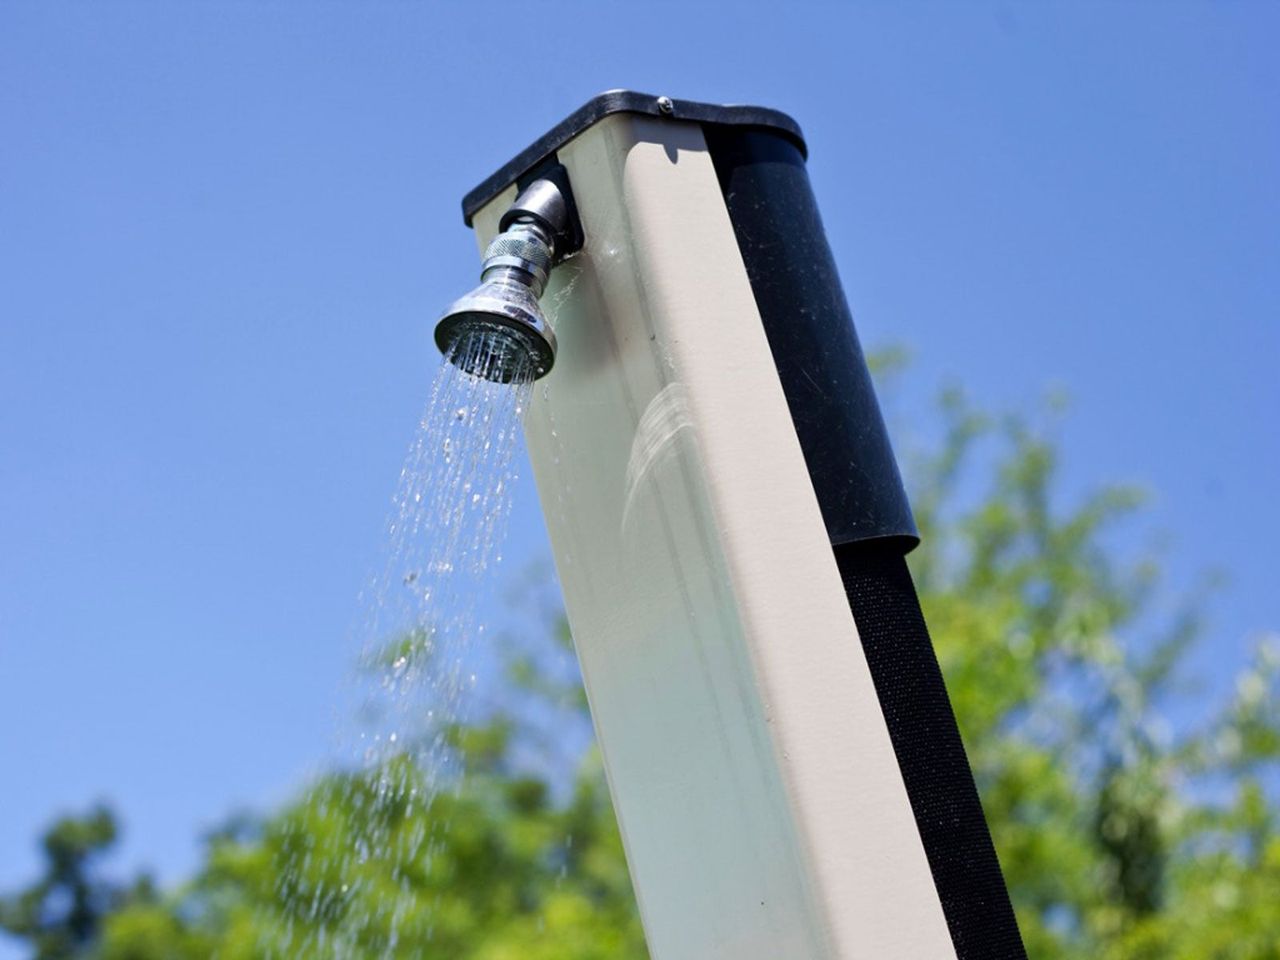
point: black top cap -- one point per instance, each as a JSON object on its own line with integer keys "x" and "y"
{"x": 623, "y": 101}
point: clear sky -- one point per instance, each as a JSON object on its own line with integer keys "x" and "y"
{"x": 226, "y": 230}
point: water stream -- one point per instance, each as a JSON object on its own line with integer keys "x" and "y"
{"x": 422, "y": 622}
{"x": 449, "y": 519}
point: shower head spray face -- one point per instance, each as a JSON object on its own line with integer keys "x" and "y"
{"x": 506, "y": 312}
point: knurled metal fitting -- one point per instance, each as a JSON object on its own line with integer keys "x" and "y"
{"x": 519, "y": 246}
{"x": 523, "y": 246}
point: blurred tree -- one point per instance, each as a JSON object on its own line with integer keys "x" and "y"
{"x": 1120, "y": 836}
{"x": 61, "y": 914}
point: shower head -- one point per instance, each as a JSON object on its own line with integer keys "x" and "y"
{"x": 537, "y": 233}
{"x": 497, "y": 331}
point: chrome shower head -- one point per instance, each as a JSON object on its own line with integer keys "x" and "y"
{"x": 536, "y": 234}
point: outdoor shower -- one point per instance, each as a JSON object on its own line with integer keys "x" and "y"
{"x": 730, "y": 532}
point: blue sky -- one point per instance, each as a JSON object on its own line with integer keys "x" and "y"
{"x": 225, "y": 232}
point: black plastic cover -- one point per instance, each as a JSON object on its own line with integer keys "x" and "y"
{"x": 810, "y": 330}
{"x": 623, "y": 101}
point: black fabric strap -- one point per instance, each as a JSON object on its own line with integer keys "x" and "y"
{"x": 930, "y": 753}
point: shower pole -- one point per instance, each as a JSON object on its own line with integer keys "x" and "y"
{"x": 730, "y": 531}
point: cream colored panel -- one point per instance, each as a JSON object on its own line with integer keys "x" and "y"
{"x": 757, "y": 791}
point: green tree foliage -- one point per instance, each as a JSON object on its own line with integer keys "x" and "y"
{"x": 61, "y": 914}
{"x": 1120, "y": 836}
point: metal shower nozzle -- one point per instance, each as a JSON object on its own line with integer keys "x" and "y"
{"x": 505, "y": 306}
